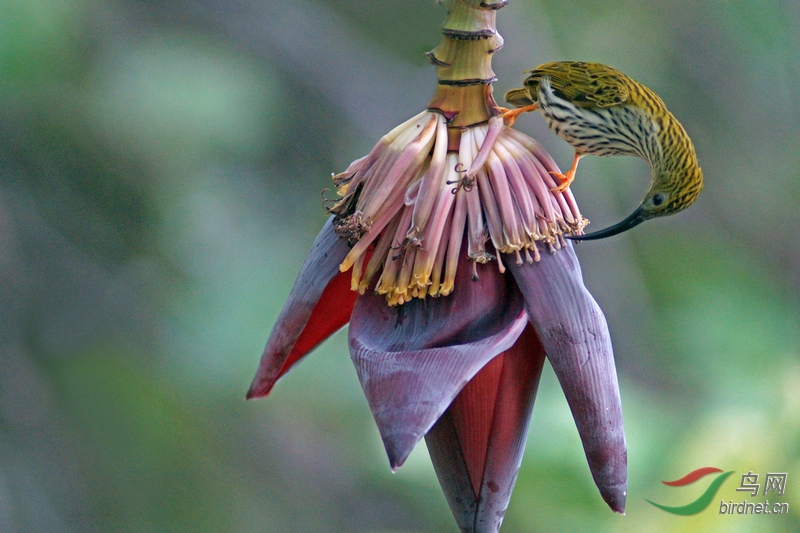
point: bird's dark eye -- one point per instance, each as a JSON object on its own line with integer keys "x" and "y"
{"x": 658, "y": 199}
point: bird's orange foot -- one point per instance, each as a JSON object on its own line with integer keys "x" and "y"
{"x": 509, "y": 116}
{"x": 567, "y": 178}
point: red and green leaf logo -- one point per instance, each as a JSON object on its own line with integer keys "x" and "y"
{"x": 702, "y": 502}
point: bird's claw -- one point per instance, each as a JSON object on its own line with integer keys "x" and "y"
{"x": 567, "y": 179}
{"x": 509, "y": 116}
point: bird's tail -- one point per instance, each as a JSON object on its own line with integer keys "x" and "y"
{"x": 518, "y": 97}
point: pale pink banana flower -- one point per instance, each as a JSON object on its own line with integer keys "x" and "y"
{"x": 446, "y": 253}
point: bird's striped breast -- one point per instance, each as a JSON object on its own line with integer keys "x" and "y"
{"x": 602, "y": 131}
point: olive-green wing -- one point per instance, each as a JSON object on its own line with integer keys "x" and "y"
{"x": 519, "y": 97}
{"x": 584, "y": 84}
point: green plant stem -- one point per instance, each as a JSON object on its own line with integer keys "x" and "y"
{"x": 463, "y": 62}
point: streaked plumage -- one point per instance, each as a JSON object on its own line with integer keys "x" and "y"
{"x": 601, "y": 111}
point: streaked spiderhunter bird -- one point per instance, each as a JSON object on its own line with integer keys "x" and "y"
{"x": 601, "y": 111}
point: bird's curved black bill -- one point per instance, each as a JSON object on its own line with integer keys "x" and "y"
{"x": 634, "y": 219}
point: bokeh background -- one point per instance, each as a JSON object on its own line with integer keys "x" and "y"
{"x": 160, "y": 173}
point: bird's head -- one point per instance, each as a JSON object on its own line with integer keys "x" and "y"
{"x": 670, "y": 191}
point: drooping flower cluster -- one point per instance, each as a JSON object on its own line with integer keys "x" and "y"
{"x": 410, "y": 202}
{"x": 424, "y": 214}
{"x": 419, "y": 218}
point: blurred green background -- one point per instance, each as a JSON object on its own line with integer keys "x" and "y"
{"x": 160, "y": 174}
